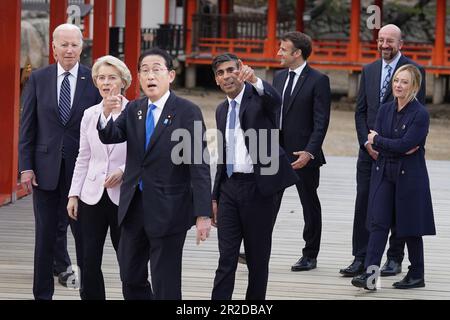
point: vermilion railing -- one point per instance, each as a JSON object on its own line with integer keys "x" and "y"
{"x": 333, "y": 54}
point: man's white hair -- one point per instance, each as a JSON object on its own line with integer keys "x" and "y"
{"x": 67, "y": 26}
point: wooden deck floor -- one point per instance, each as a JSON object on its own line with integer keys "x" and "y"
{"x": 337, "y": 193}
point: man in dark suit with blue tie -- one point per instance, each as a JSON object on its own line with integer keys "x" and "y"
{"x": 166, "y": 185}
{"x": 303, "y": 125}
{"x": 53, "y": 104}
{"x": 251, "y": 170}
{"x": 375, "y": 89}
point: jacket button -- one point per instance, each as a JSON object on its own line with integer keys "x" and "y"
{"x": 403, "y": 171}
{"x": 378, "y": 168}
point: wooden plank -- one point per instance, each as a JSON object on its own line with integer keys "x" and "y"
{"x": 337, "y": 193}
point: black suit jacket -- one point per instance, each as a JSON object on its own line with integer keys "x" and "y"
{"x": 258, "y": 113}
{"x": 307, "y": 116}
{"x": 42, "y": 134}
{"x": 173, "y": 193}
{"x": 368, "y": 101}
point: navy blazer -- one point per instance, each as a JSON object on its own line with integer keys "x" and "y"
{"x": 368, "y": 101}
{"x": 257, "y": 112}
{"x": 42, "y": 134}
{"x": 174, "y": 193}
{"x": 413, "y": 206}
{"x": 308, "y": 114}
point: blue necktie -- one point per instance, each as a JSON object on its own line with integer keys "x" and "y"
{"x": 149, "y": 127}
{"x": 64, "y": 99}
{"x": 231, "y": 142}
{"x": 385, "y": 82}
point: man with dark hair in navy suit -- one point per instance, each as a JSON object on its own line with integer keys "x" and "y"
{"x": 161, "y": 197}
{"x": 303, "y": 123}
{"x": 53, "y": 104}
{"x": 252, "y": 168}
{"x": 375, "y": 89}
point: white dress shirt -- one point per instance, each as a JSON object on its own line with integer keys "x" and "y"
{"x": 242, "y": 162}
{"x": 72, "y": 79}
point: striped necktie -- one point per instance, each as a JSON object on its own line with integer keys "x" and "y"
{"x": 385, "y": 82}
{"x": 64, "y": 99}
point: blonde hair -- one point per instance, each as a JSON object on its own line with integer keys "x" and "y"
{"x": 124, "y": 72}
{"x": 416, "y": 80}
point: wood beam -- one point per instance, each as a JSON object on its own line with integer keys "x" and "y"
{"x": 101, "y": 29}
{"x": 133, "y": 44}
{"x": 270, "y": 48}
{"x": 439, "y": 40}
{"x": 354, "y": 30}
{"x": 58, "y": 15}
{"x": 10, "y": 16}
{"x": 299, "y": 11}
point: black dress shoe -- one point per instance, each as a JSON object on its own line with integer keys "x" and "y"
{"x": 304, "y": 264}
{"x": 408, "y": 283}
{"x": 67, "y": 279}
{"x": 364, "y": 281}
{"x": 242, "y": 259}
{"x": 356, "y": 268}
{"x": 391, "y": 268}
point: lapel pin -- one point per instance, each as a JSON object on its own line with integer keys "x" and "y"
{"x": 403, "y": 127}
{"x": 83, "y": 78}
{"x": 139, "y": 113}
{"x": 168, "y": 120}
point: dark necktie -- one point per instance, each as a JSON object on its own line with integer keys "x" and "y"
{"x": 385, "y": 82}
{"x": 149, "y": 127}
{"x": 231, "y": 143}
{"x": 64, "y": 99}
{"x": 287, "y": 92}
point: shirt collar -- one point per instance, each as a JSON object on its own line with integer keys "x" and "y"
{"x": 238, "y": 98}
{"x": 298, "y": 71}
{"x": 73, "y": 71}
{"x": 161, "y": 102}
{"x": 394, "y": 62}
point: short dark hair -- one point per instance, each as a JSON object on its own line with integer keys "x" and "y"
{"x": 300, "y": 41}
{"x": 218, "y": 60}
{"x": 155, "y": 51}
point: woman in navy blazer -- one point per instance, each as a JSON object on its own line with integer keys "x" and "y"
{"x": 97, "y": 177}
{"x": 399, "y": 194}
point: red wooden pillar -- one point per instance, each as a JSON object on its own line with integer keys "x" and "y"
{"x": 167, "y": 12}
{"x": 58, "y": 15}
{"x": 300, "y": 10}
{"x": 439, "y": 40}
{"x": 9, "y": 96}
{"x": 191, "y": 9}
{"x": 133, "y": 44}
{"x": 113, "y": 13}
{"x": 271, "y": 42}
{"x": 379, "y": 4}
{"x": 101, "y": 29}
{"x": 87, "y": 22}
{"x": 224, "y": 11}
{"x": 354, "y": 30}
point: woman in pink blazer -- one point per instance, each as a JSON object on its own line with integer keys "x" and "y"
{"x": 95, "y": 189}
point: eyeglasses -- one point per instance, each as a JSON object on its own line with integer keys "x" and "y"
{"x": 388, "y": 41}
{"x": 157, "y": 71}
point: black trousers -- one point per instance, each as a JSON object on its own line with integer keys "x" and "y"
{"x": 47, "y": 212}
{"x": 384, "y": 219}
{"x": 360, "y": 236}
{"x": 95, "y": 221}
{"x": 243, "y": 214}
{"x": 137, "y": 248}
{"x": 312, "y": 212}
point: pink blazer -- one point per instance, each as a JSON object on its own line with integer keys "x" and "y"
{"x": 96, "y": 160}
